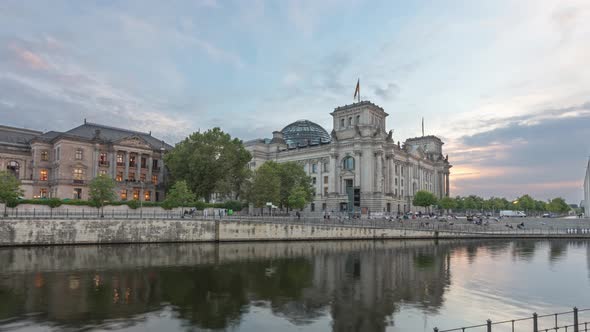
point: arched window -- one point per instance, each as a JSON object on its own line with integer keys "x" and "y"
{"x": 13, "y": 168}
{"x": 350, "y": 121}
{"x": 348, "y": 163}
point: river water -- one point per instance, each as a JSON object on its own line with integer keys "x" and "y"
{"x": 291, "y": 286}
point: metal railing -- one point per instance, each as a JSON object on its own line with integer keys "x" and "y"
{"x": 580, "y": 230}
{"x": 534, "y": 323}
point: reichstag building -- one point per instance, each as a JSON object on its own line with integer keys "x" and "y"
{"x": 358, "y": 167}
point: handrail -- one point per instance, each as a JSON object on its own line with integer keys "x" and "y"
{"x": 576, "y": 325}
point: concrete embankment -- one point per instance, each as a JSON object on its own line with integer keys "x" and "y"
{"x": 104, "y": 231}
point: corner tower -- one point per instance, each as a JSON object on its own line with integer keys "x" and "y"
{"x": 359, "y": 119}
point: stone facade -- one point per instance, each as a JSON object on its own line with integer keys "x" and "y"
{"x": 56, "y": 164}
{"x": 361, "y": 155}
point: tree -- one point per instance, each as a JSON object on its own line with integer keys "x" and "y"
{"x": 265, "y": 186}
{"x": 525, "y": 203}
{"x": 282, "y": 184}
{"x": 293, "y": 177}
{"x": 558, "y": 205}
{"x": 447, "y": 203}
{"x": 424, "y": 198}
{"x": 102, "y": 190}
{"x": 299, "y": 197}
{"x": 9, "y": 189}
{"x": 210, "y": 162}
{"x": 179, "y": 195}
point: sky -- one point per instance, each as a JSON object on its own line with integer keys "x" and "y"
{"x": 505, "y": 84}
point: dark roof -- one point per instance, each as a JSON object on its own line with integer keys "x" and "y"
{"x": 88, "y": 131}
{"x": 17, "y": 136}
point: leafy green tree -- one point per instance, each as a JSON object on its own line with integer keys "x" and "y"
{"x": 210, "y": 162}
{"x": 424, "y": 198}
{"x": 9, "y": 189}
{"x": 179, "y": 195}
{"x": 447, "y": 203}
{"x": 525, "y": 203}
{"x": 293, "y": 178}
{"x": 265, "y": 185}
{"x": 299, "y": 197}
{"x": 558, "y": 205}
{"x": 102, "y": 190}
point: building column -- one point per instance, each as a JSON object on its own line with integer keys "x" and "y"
{"x": 148, "y": 177}
{"x": 138, "y": 168}
{"x": 113, "y": 165}
{"x": 379, "y": 172}
{"x": 126, "y": 177}
{"x": 357, "y": 171}
{"x": 333, "y": 177}
{"x": 95, "y": 162}
{"x": 448, "y": 191}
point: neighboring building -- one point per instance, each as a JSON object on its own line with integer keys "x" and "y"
{"x": 61, "y": 164}
{"x": 358, "y": 167}
{"x": 586, "y": 201}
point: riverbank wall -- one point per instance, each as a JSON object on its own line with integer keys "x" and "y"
{"x": 19, "y": 232}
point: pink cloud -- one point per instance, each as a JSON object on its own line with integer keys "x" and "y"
{"x": 29, "y": 58}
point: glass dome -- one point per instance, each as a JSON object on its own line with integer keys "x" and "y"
{"x": 305, "y": 132}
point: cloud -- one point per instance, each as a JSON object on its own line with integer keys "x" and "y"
{"x": 543, "y": 154}
{"x": 32, "y": 60}
{"x": 388, "y": 92}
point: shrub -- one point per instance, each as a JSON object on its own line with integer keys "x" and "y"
{"x": 133, "y": 204}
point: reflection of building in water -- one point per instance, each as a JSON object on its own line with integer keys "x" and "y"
{"x": 366, "y": 288}
{"x": 361, "y": 288}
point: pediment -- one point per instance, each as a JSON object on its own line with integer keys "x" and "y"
{"x": 134, "y": 141}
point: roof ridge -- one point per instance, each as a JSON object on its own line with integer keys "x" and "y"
{"x": 116, "y": 128}
{"x": 30, "y": 131}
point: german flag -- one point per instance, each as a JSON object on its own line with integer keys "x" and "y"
{"x": 357, "y": 90}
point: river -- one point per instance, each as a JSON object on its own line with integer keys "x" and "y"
{"x": 290, "y": 286}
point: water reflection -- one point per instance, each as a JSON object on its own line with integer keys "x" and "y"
{"x": 359, "y": 286}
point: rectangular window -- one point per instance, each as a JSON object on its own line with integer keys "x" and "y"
{"x": 131, "y": 176}
{"x": 312, "y": 207}
{"x": 124, "y": 194}
{"x": 135, "y": 194}
{"x": 143, "y": 162}
{"x": 313, "y": 180}
{"x": 43, "y": 175}
{"x": 45, "y": 155}
{"x": 119, "y": 176}
{"x": 43, "y": 193}
{"x": 324, "y": 207}
{"x": 396, "y": 181}
{"x": 78, "y": 154}
{"x": 132, "y": 161}
{"x": 155, "y": 164}
{"x": 78, "y": 174}
{"x": 326, "y": 167}
{"x": 57, "y": 153}
{"x": 154, "y": 179}
{"x": 314, "y": 168}
{"x": 142, "y": 177}
{"x": 102, "y": 172}
{"x": 120, "y": 161}
{"x": 77, "y": 193}
{"x": 147, "y": 195}
{"x": 325, "y": 180}
{"x": 103, "y": 159}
